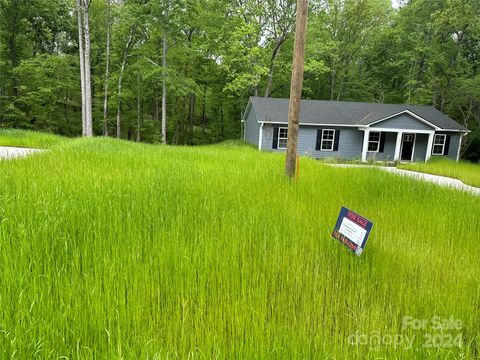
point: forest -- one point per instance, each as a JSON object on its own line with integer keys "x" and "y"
{"x": 186, "y": 68}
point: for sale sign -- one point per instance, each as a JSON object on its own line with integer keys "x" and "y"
{"x": 352, "y": 230}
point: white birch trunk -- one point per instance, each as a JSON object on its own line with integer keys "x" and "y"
{"x": 164, "y": 88}
{"x": 119, "y": 86}
{"x": 88, "y": 82}
{"x": 82, "y": 61}
{"x": 119, "y": 100}
{"x": 107, "y": 74}
{"x": 139, "y": 109}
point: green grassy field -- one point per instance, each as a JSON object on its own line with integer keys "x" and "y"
{"x": 116, "y": 250}
{"x": 465, "y": 171}
{"x": 23, "y": 138}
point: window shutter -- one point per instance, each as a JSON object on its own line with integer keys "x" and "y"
{"x": 275, "y": 138}
{"x": 447, "y": 145}
{"x": 337, "y": 140}
{"x": 382, "y": 142}
{"x": 319, "y": 139}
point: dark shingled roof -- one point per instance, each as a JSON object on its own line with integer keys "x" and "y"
{"x": 345, "y": 113}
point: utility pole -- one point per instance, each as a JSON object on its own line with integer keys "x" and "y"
{"x": 296, "y": 86}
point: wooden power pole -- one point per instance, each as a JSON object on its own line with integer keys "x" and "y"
{"x": 296, "y": 86}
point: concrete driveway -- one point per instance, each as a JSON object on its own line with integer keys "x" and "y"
{"x": 9, "y": 152}
{"x": 436, "y": 179}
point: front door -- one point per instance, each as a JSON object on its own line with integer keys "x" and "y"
{"x": 408, "y": 145}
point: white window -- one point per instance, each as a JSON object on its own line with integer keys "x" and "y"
{"x": 439, "y": 144}
{"x": 328, "y": 138}
{"x": 374, "y": 141}
{"x": 282, "y": 138}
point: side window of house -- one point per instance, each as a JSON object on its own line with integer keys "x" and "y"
{"x": 439, "y": 144}
{"x": 328, "y": 137}
{"x": 327, "y": 140}
{"x": 282, "y": 138}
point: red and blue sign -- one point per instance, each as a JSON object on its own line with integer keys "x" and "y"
{"x": 352, "y": 230}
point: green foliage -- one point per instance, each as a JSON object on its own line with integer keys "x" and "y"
{"x": 50, "y": 93}
{"x": 220, "y": 52}
{"x": 472, "y": 148}
{"x": 111, "y": 249}
{"x": 242, "y": 57}
{"x": 27, "y": 29}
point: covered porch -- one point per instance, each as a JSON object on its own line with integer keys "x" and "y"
{"x": 386, "y": 144}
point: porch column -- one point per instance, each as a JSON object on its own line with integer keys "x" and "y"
{"x": 366, "y": 136}
{"x": 429, "y": 146}
{"x": 260, "y": 137}
{"x": 460, "y": 145}
{"x": 398, "y": 145}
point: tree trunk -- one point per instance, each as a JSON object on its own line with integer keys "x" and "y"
{"x": 164, "y": 88}
{"x": 82, "y": 62}
{"x": 139, "y": 109}
{"x": 332, "y": 83}
{"x": 276, "y": 51}
{"x": 2, "y": 94}
{"x": 67, "y": 99}
{"x": 120, "y": 85}
{"x": 222, "y": 127}
{"x": 156, "y": 108}
{"x": 119, "y": 101}
{"x": 453, "y": 65}
{"x": 12, "y": 45}
{"x": 192, "y": 115}
{"x": 340, "y": 89}
{"x": 88, "y": 81}
{"x": 107, "y": 74}
{"x": 204, "y": 101}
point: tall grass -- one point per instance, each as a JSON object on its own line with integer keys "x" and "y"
{"x": 29, "y": 139}
{"x": 467, "y": 172}
{"x": 114, "y": 250}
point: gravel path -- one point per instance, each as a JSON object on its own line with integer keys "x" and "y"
{"x": 436, "y": 179}
{"x": 8, "y": 152}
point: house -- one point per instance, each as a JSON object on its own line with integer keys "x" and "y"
{"x": 350, "y": 130}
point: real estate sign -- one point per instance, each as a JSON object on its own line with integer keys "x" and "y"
{"x": 352, "y": 230}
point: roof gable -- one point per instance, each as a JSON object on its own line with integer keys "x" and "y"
{"x": 404, "y": 120}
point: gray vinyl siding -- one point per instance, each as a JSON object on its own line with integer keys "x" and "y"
{"x": 421, "y": 144}
{"x": 252, "y": 127}
{"x": 388, "y": 149}
{"x": 454, "y": 145}
{"x": 403, "y": 121}
{"x": 349, "y": 146}
{"x": 420, "y": 151}
{"x": 267, "y": 137}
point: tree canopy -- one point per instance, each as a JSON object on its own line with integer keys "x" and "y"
{"x": 219, "y": 52}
